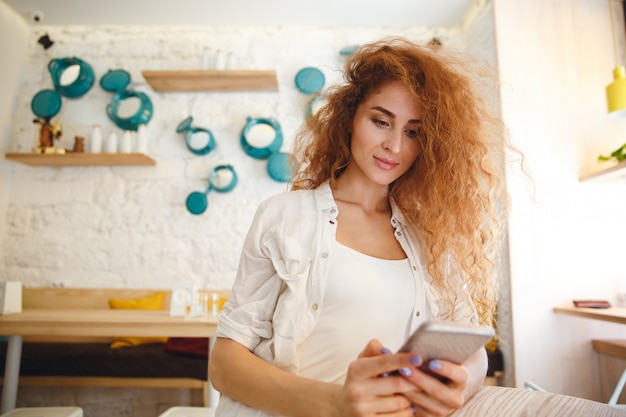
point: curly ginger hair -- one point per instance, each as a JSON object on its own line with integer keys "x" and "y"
{"x": 455, "y": 192}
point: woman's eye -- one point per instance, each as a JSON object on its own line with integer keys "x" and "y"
{"x": 380, "y": 123}
{"x": 412, "y": 133}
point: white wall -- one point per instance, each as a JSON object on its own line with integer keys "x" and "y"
{"x": 13, "y": 47}
{"x": 566, "y": 239}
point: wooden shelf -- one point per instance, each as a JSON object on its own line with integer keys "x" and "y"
{"x": 81, "y": 159}
{"x": 211, "y": 80}
{"x": 613, "y": 172}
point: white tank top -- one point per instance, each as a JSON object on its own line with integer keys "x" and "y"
{"x": 366, "y": 298}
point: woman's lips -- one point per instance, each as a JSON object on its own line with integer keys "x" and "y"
{"x": 385, "y": 163}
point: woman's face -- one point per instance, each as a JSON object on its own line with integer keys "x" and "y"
{"x": 385, "y": 134}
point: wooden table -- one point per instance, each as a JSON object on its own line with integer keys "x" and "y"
{"x": 613, "y": 314}
{"x": 90, "y": 323}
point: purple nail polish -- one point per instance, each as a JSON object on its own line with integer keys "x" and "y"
{"x": 416, "y": 360}
{"x": 434, "y": 365}
{"x": 385, "y": 351}
{"x": 405, "y": 371}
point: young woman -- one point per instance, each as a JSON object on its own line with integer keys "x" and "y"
{"x": 392, "y": 220}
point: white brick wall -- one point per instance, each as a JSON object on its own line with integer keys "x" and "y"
{"x": 128, "y": 226}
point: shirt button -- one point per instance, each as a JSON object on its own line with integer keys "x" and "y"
{"x": 417, "y": 314}
{"x": 333, "y": 211}
{"x": 414, "y": 268}
{"x": 315, "y": 307}
{"x": 324, "y": 254}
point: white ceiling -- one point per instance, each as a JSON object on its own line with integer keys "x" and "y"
{"x": 345, "y": 13}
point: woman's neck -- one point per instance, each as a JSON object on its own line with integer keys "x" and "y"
{"x": 370, "y": 196}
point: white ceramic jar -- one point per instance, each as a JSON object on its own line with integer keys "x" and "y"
{"x": 220, "y": 60}
{"x": 142, "y": 139}
{"x": 95, "y": 141}
{"x": 111, "y": 144}
{"x": 126, "y": 144}
{"x": 206, "y": 59}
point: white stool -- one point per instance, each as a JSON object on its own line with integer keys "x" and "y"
{"x": 45, "y": 412}
{"x": 187, "y": 412}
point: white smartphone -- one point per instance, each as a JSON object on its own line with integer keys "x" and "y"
{"x": 448, "y": 341}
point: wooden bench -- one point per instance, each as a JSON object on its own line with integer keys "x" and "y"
{"x": 96, "y": 352}
{"x": 612, "y": 360}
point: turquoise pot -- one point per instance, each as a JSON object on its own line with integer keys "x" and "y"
{"x": 142, "y": 115}
{"x": 261, "y": 152}
{"x": 72, "y": 77}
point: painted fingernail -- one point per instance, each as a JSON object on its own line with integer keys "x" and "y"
{"x": 413, "y": 408}
{"x": 405, "y": 371}
{"x": 385, "y": 351}
{"x": 416, "y": 360}
{"x": 434, "y": 365}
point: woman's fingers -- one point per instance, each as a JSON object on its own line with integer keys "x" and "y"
{"x": 376, "y": 361}
{"x": 375, "y": 395}
{"x": 373, "y": 348}
{"x": 367, "y": 392}
{"x": 434, "y": 397}
{"x": 389, "y": 404}
{"x": 450, "y": 372}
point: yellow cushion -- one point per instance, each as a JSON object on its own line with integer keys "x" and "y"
{"x": 152, "y": 302}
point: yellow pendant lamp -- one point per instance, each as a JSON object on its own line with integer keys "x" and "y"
{"x": 616, "y": 91}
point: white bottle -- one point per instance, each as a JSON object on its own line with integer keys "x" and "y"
{"x": 95, "y": 142}
{"x": 206, "y": 59}
{"x": 142, "y": 139}
{"x": 111, "y": 145}
{"x": 220, "y": 60}
{"x": 126, "y": 144}
{"x": 231, "y": 61}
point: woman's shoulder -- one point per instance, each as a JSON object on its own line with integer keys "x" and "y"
{"x": 290, "y": 197}
{"x": 287, "y": 203}
{"x": 318, "y": 199}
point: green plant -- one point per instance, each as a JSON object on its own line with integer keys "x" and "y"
{"x": 618, "y": 155}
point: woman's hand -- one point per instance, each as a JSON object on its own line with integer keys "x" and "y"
{"x": 381, "y": 383}
{"x": 370, "y": 390}
{"x": 434, "y": 398}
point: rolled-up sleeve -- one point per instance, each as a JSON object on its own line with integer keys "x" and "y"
{"x": 247, "y": 316}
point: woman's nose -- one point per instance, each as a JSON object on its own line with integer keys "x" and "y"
{"x": 393, "y": 141}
